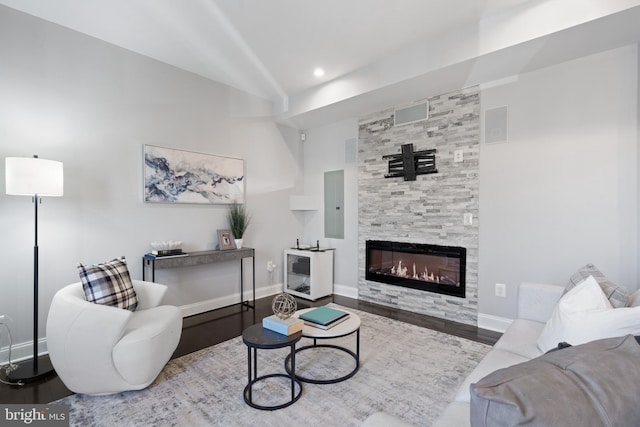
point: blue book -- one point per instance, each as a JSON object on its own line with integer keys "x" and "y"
{"x": 323, "y": 315}
{"x": 287, "y": 326}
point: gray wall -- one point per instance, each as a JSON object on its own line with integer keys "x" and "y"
{"x": 326, "y": 149}
{"x": 72, "y": 98}
{"x": 563, "y": 191}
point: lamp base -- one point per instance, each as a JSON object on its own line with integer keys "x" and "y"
{"x": 26, "y": 373}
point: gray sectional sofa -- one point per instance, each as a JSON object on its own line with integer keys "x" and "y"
{"x": 518, "y": 344}
{"x": 593, "y": 383}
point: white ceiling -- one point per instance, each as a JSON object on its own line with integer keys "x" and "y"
{"x": 291, "y": 37}
{"x": 270, "y": 47}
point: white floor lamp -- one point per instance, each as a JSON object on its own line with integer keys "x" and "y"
{"x": 33, "y": 177}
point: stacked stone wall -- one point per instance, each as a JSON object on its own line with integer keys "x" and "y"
{"x": 428, "y": 210}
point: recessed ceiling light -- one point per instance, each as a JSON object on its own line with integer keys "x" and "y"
{"x": 318, "y": 72}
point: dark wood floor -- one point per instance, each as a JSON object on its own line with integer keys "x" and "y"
{"x": 207, "y": 329}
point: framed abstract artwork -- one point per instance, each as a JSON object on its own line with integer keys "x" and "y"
{"x": 178, "y": 176}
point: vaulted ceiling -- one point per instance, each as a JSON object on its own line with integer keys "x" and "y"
{"x": 375, "y": 53}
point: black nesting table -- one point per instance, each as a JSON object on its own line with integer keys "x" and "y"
{"x": 256, "y": 337}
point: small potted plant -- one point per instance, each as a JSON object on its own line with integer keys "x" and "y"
{"x": 239, "y": 220}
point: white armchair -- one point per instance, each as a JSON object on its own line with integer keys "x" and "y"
{"x": 97, "y": 349}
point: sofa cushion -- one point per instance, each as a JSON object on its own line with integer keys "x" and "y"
{"x": 584, "y": 315}
{"x": 594, "y": 384}
{"x": 109, "y": 283}
{"x": 617, "y": 295}
{"x": 495, "y": 359}
{"x": 520, "y": 338}
{"x": 634, "y": 299}
{"x": 536, "y": 301}
{"x": 456, "y": 414}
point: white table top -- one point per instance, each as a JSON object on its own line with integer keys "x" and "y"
{"x": 346, "y": 327}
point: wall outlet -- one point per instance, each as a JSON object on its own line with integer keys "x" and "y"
{"x": 468, "y": 219}
{"x": 501, "y": 290}
{"x": 458, "y": 156}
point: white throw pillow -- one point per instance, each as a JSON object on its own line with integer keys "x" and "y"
{"x": 584, "y": 314}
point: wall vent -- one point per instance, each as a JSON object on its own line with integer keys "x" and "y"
{"x": 411, "y": 114}
{"x": 496, "y": 124}
{"x": 350, "y": 150}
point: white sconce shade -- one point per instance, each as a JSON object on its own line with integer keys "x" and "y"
{"x": 26, "y": 176}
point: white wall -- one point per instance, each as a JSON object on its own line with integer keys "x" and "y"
{"x": 563, "y": 191}
{"x": 324, "y": 150}
{"x": 72, "y": 98}
{"x": 638, "y": 145}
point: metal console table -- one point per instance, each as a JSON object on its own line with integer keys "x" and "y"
{"x": 204, "y": 257}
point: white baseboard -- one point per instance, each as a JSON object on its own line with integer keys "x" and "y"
{"x": 24, "y": 350}
{"x": 493, "y": 323}
{"x": 21, "y": 351}
{"x": 269, "y": 290}
{"x": 215, "y": 303}
{"x": 208, "y": 305}
{"x": 345, "y": 291}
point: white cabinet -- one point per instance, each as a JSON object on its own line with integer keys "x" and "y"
{"x": 308, "y": 274}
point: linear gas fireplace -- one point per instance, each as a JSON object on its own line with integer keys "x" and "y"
{"x": 433, "y": 268}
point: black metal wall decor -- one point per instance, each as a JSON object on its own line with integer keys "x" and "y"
{"x": 410, "y": 163}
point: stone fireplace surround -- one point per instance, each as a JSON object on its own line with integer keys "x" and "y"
{"x": 428, "y": 210}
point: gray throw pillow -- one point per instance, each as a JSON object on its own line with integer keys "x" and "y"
{"x": 593, "y": 384}
{"x": 617, "y": 295}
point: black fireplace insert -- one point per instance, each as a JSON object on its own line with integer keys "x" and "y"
{"x": 433, "y": 268}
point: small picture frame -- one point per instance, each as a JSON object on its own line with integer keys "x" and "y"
{"x": 226, "y": 240}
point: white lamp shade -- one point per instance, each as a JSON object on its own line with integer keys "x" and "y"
{"x": 30, "y": 175}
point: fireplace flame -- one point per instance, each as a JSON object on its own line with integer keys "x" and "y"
{"x": 402, "y": 271}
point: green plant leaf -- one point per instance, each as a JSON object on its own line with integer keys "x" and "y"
{"x": 239, "y": 220}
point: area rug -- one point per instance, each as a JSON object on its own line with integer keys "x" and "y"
{"x": 405, "y": 370}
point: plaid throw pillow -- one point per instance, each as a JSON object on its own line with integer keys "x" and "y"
{"x": 617, "y": 295}
{"x": 109, "y": 284}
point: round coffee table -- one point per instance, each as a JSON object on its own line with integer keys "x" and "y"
{"x": 345, "y": 328}
{"x": 256, "y": 337}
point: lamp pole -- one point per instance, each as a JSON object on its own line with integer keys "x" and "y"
{"x": 36, "y": 263}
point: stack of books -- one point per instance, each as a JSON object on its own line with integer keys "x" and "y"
{"x": 288, "y": 326}
{"x": 324, "y": 317}
{"x": 159, "y": 254}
